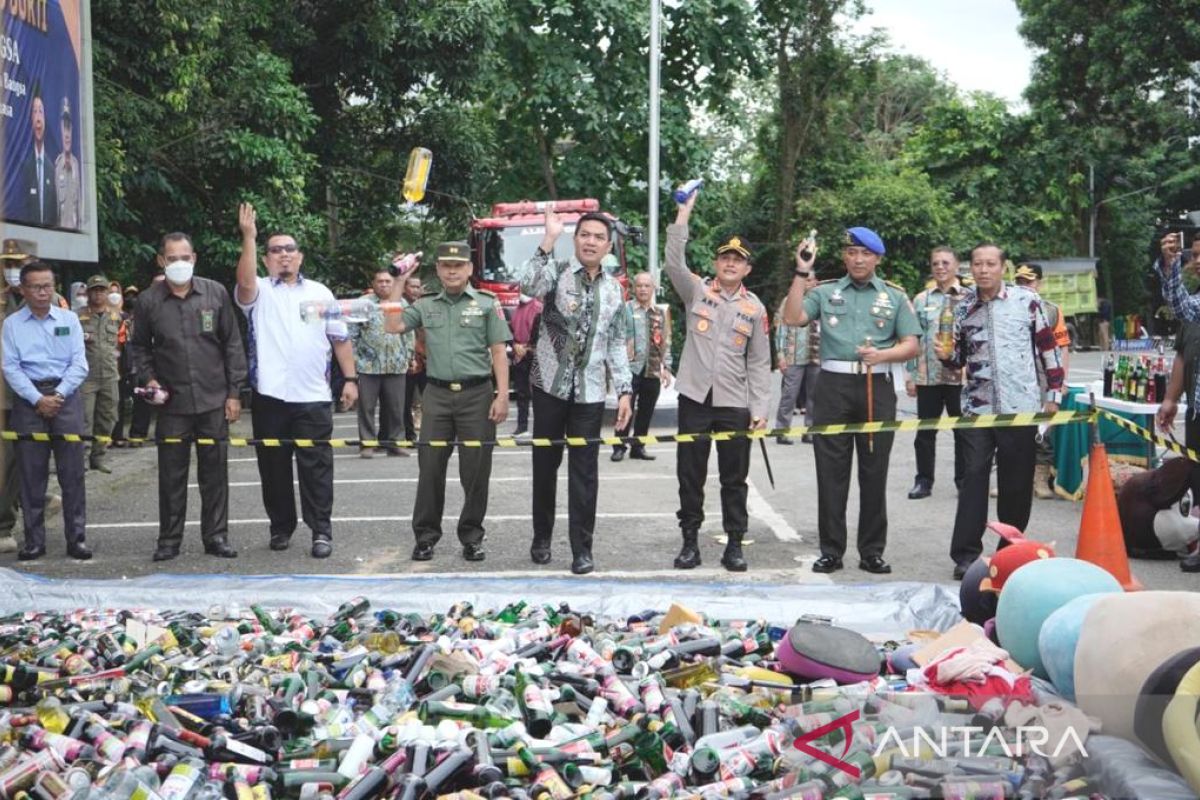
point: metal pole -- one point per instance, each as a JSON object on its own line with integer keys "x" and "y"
{"x": 1094, "y": 211}
{"x": 655, "y": 13}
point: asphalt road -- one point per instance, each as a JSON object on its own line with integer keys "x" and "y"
{"x": 636, "y": 537}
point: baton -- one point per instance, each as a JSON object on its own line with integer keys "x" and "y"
{"x": 870, "y": 404}
{"x": 767, "y": 461}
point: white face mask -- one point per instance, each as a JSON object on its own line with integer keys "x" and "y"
{"x": 12, "y": 276}
{"x": 114, "y": 299}
{"x": 179, "y": 272}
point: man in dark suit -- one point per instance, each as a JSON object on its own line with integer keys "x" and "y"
{"x": 37, "y": 173}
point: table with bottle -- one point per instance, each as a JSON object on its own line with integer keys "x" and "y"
{"x": 1133, "y": 387}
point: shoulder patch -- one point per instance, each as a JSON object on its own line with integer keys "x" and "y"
{"x": 896, "y": 286}
{"x": 485, "y": 292}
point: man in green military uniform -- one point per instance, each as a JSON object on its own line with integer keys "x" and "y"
{"x": 12, "y": 258}
{"x": 867, "y": 325}
{"x": 465, "y": 335}
{"x": 101, "y": 327}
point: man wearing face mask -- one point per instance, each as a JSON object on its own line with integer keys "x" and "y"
{"x": 10, "y": 487}
{"x": 288, "y": 371}
{"x": 186, "y": 340}
{"x": 101, "y": 329}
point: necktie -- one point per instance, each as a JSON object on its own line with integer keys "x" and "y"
{"x": 41, "y": 193}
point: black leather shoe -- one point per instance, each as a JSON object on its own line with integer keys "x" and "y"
{"x": 281, "y": 541}
{"x": 220, "y": 549}
{"x": 806, "y": 439}
{"x": 165, "y": 553}
{"x": 473, "y": 552}
{"x": 322, "y": 548}
{"x": 827, "y": 564}
{"x": 642, "y": 455}
{"x": 960, "y": 570}
{"x": 79, "y": 552}
{"x": 422, "y": 552}
{"x": 540, "y": 552}
{"x": 922, "y": 488}
{"x": 582, "y": 564}
{"x": 617, "y": 455}
{"x": 875, "y": 564}
{"x": 28, "y": 553}
{"x": 783, "y": 440}
{"x": 1191, "y": 563}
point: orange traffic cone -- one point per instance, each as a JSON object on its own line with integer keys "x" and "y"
{"x": 1101, "y": 540}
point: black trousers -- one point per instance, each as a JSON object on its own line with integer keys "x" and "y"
{"x": 275, "y": 419}
{"x": 445, "y": 416}
{"x": 931, "y": 401}
{"x": 733, "y": 463}
{"x": 1191, "y": 438}
{"x": 843, "y": 398}
{"x": 212, "y": 473}
{"x": 519, "y": 377}
{"x": 33, "y": 462}
{"x": 645, "y": 398}
{"x": 413, "y": 382}
{"x": 553, "y": 419}
{"x": 140, "y": 413}
{"x": 1014, "y": 451}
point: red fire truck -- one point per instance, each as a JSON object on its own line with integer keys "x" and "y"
{"x": 501, "y": 243}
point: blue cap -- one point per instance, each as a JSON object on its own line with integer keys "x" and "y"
{"x": 865, "y": 237}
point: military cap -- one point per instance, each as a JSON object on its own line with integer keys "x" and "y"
{"x": 97, "y": 281}
{"x": 66, "y": 110}
{"x": 17, "y": 250}
{"x": 865, "y": 237}
{"x": 454, "y": 251}
{"x": 1029, "y": 272}
{"x": 735, "y": 244}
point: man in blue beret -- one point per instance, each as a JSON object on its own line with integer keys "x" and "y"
{"x": 867, "y": 324}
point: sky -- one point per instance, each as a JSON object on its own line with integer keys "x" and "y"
{"x": 947, "y": 33}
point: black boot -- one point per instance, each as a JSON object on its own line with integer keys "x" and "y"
{"x": 733, "y": 560}
{"x": 689, "y": 555}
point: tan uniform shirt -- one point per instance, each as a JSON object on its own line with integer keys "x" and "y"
{"x": 100, "y": 331}
{"x": 728, "y": 347}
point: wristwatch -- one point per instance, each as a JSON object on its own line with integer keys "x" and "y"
{"x": 800, "y": 274}
{"x": 351, "y": 379}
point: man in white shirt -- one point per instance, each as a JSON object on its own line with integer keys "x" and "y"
{"x": 289, "y": 373}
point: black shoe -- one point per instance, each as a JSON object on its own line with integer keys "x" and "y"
{"x": 617, "y": 455}
{"x": 540, "y": 552}
{"x": 733, "y": 559}
{"x": 165, "y": 553}
{"x": 220, "y": 549}
{"x": 806, "y": 439}
{"x": 473, "y": 552}
{"x": 960, "y": 570}
{"x": 783, "y": 440}
{"x": 28, "y": 553}
{"x": 875, "y": 564}
{"x": 922, "y": 488}
{"x": 422, "y": 552}
{"x": 827, "y": 564}
{"x": 79, "y": 551}
{"x": 1191, "y": 563}
{"x": 100, "y": 466}
{"x": 281, "y": 541}
{"x": 322, "y": 548}
{"x": 641, "y": 455}
{"x": 689, "y": 554}
{"x": 520, "y": 431}
{"x": 582, "y": 564}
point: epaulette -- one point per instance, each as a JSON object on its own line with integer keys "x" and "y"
{"x": 486, "y": 292}
{"x": 828, "y": 280}
{"x": 897, "y": 286}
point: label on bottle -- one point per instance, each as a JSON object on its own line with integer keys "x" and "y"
{"x": 246, "y": 751}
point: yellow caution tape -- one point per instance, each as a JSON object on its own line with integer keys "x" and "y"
{"x": 882, "y": 426}
{"x": 1151, "y": 436}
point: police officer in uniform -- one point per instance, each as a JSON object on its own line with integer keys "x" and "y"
{"x": 101, "y": 328}
{"x": 867, "y": 324}
{"x": 724, "y": 384}
{"x": 465, "y": 336}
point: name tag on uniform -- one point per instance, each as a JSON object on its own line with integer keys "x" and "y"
{"x": 62, "y": 330}
{"x": 207, "y": 323}
{"x": 472, "y": 311}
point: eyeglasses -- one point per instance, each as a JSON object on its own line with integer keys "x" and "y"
{"x": 39, "y": 288}
{"x": 276, "y": 249}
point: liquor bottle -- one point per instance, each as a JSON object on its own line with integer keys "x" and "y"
{"x": 1109, "y": 370}
{"x": 945, "y": 333}
{"x": 536, "y": 710}
{"x": 154, "y": 395}
{"x": 416, "y": 177}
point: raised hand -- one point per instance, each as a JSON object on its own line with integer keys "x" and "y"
{"x": 247, "y": 221}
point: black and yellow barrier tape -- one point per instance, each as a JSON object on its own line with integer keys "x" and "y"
{"x": 883, "y": 426}
{"x": 1151, "y": 436}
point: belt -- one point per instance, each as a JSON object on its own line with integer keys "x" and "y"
{"x": 47, "y": 385}
{"x": 458, "y": 386}
{"x": 856, "y": 368}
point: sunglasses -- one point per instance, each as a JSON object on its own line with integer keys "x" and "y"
{"x": 276, "y": 249}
